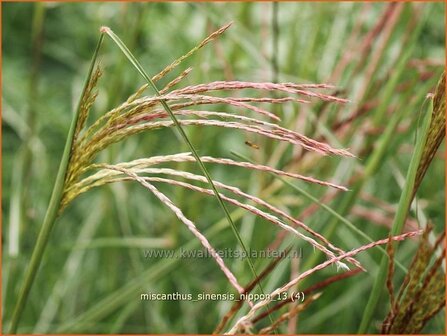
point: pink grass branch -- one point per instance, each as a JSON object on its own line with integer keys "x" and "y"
{"x": 105, "y": 176}
{"x": 122, "y": 131}
{"x": 247, "y": 318}
{"x": 203, "y": 99}
{"x": 191, "y": 93}
{"x": 187, "y": 157}
{"x": 165, "y": 200}
{"x": 139, "y": 166}
{"x": 133, "y": 101}
{"x": 306, "y": 142}
{"x": 236, "y": 191}
{"x": 254, "y": 199}
{"x": 284, "y": 87}
{"x": 272, "y": 219}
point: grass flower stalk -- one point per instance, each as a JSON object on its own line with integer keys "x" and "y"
{"x": 53, "y": 208}
{"x": 143, "y": 73}
{"x": 399, "y": 220}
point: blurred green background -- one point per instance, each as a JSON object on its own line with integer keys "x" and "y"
{"x": 94, "y": 269}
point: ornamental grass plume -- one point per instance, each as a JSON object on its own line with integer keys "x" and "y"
{"x": 144, "y": 113}
{"x": 184, "y": 107}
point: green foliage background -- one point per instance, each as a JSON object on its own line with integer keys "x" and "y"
{"x": 85, "y": 262}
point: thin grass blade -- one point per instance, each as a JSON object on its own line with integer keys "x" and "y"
{"x": 52, "y": 210}
{"x": 143, "y": 73}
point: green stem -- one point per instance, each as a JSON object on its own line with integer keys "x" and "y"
{"x": 51, "y": 214}
{"x": 398, "y": 223}
{"x": 143, "y": 73}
